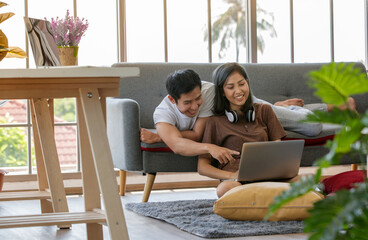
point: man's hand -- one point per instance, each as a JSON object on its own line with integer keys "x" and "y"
{"x": 223, "y": 155}
{"x": 147, "y": 136}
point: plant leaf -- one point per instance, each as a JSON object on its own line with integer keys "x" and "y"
{"x": 336, "y": 82}
{"x": 322, "y": 162}
{"x": 16, "y": 52}
{"x": 5, "y": 16}
{"x": 3, "y": 49}
{"x": 2, "y": 4}
{"x": 348, "y": 135}
{"x": 340, "y": 216}
{"x": 3, "y": 40}
{"x": 365, "y": 119}
{"x": 359, "y": 231}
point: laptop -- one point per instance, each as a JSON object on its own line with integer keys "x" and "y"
{"x": 276, "y": 160}
{"x": 42, "y": 41}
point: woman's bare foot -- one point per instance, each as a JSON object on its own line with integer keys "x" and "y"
{"x": 147, "y": 136}
{"x": 290, "y": 102}
{"x": 350, "y": 104}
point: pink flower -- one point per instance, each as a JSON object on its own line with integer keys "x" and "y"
{"x": 68, "y": 31}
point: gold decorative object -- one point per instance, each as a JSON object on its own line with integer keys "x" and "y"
{"x": 68, "y": 55}
{"x": 5, "y": 50}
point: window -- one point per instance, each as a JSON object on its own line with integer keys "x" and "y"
{"x": 302, "y": 32}
{"x": 14, "y": 136}
{"x": 227, "y": 45}
{"x": 312, "y": 37}
{"x": 99, "y": 45}
{"x": 273, "y": 31}
{"x": 17, "y": 152}
{"x": 349, "y": 34}
{"x": 287, "y": 31}
{"x": 145, "y": 31}
{"x": 185, "y": 27}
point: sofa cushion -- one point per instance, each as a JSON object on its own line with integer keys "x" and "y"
{"x": 168, "y": 162}
{"x": 155, "y": 147}
{"x": 327, "y": 133}
{"x": 344, "y": 180}
{"x": 312, "y": 141}
{"x": 250, "y": 202}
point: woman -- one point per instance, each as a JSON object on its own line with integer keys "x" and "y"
{"x": 237, "y": 120}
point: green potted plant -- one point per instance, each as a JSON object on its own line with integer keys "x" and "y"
{"x": 67, "y": 33}
{"x": 5, "y": 50}
{"x": 343, "y": 215}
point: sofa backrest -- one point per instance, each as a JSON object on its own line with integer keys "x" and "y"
{"x": 270, "y": 82}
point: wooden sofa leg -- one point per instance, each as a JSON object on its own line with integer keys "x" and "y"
{"x": 122, "y": 189}
{"x": 354, "y": 166}
{"x": 148, "y": 186}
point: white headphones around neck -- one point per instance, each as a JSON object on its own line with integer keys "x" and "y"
{"x": 233, "y": 116}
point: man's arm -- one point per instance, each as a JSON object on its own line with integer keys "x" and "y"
{"x": 196, "y": 134}
{"x": 187, "y": 147}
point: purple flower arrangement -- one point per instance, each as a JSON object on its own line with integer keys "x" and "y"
{"x": 68, "y": 31}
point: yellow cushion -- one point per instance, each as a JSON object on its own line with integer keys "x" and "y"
{"x": 250, "y": 202}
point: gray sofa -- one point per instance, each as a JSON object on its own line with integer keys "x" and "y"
{"x": 140, "y": 95}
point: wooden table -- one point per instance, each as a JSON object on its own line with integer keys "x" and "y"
{"x": 90, "y": 86}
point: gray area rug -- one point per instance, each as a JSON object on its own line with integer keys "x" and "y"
{"x": 197, "y": 217}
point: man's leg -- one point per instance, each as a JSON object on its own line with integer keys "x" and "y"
{"x": 290, "y": 119}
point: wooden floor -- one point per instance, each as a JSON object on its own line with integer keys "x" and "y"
{"x": 139, "y": 227}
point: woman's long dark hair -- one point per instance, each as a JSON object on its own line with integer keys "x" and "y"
{"x": 219, "y": 77}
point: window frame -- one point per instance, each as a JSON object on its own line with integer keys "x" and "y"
{"x": 251, "y": 55}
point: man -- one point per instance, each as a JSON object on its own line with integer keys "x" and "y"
{"x": 181, "y": 117}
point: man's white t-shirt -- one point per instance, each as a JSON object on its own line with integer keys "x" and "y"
{"x": 169, "y": 113}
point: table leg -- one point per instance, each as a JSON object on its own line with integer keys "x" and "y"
{"x": 46, "y": 205}
{"x": 44, "y": 126}
{"x": 103, "y": 163}
{"x": 91, "y": 191}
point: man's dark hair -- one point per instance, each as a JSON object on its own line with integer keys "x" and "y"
{"x": 182, "y": 82}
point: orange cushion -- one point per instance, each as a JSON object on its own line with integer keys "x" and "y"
{"x": 250, "y": 202}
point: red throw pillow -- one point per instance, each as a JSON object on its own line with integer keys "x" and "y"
{"x": 344, "y": 180}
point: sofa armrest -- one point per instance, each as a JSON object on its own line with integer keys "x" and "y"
{"x": 123, "y": 133}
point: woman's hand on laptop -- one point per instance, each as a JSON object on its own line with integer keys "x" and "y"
{"x": 223, "y": 155}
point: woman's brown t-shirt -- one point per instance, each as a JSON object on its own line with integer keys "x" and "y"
{"x": 220, "y": 131}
